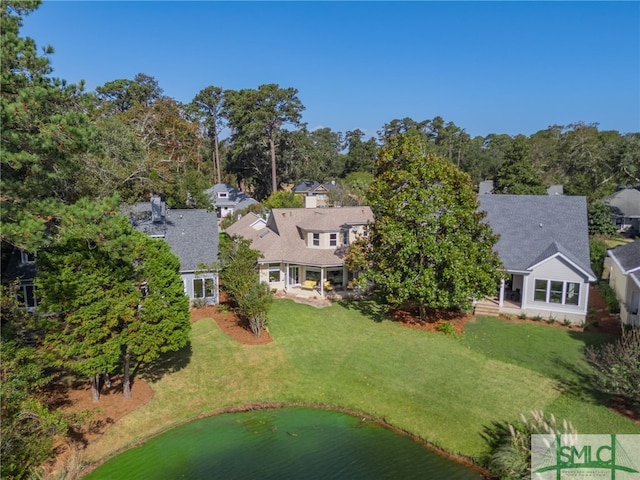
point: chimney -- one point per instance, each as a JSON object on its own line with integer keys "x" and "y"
{"x": 156, "y": 209}
{"x": 310, "y": 201}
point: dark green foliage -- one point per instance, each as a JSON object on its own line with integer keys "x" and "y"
{"x": 599, "y": 216}
{"x": 241, "y": 281}
{"x": 27, "y": 426}
{"x": 597, "y": 252}
{"x": 44, "y": 129}
{"x": 446, "y": 328}
{"x": 610, "y": 297}
{"x": 617, "y": 366}
{"x": 428, "y": 245}
{"x": 517, "y": 176}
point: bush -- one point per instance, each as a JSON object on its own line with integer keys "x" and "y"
{"x": 617, "y": 366}
{"x": 610, "y": 297}
{"x": 597, "y": 252}
{"x": 446, "y": 328}
{"x": 510, "y": 444}
{"x": 537, "y": 318}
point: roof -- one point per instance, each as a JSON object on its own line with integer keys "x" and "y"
{"x": 235, "y": 198}
{"x": 627, "y": 256}
{"x": 533, "y": 228}
{"x": 625, "y": 202}
{"x": 192, "y": 234}
{"x": 283, "y": 239}
{"x": 311, "y": 186}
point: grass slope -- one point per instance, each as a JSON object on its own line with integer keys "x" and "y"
{"x": 443, "y": 389}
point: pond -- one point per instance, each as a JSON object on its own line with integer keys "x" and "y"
{"x": 301, "y": 443}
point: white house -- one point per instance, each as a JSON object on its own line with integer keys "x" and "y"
{"x": 624, "y": 279}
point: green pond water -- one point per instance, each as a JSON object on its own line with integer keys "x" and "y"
{"x": 290, "y": 443}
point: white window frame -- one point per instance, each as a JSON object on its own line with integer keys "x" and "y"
{"x": 333, "y": 239}
{"x": 274, "y": 267}
{"x": 315, "y": 239}
{"x": 563, "y": 293}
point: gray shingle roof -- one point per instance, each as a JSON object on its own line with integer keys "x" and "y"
{"x": 235, "y": 198}
{"x": 627, "y": 255}
{"x": 625, "y": 202}
{"x": 192, "y": 234}
{"x": 534, "y": 227}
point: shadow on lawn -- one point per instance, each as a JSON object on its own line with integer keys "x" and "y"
{"x": 370, "y": 307}
{"x": 168, "y": 363}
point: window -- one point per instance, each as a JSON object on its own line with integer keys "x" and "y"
{"x": 316, "y": 239}
{"x": 345, "y": 237}
{"x": 26, "y": 295}
{"x": 572, "y": 296}
{"x": 555, "y": 291}
{"x": 209, "y": 287}
{"x": 223, "y": 195}
{"x": 333, "y": 239}
{"x": 198, "y": 288}
{"x": 274, "y": 272}
{"x": 27, "y": 257}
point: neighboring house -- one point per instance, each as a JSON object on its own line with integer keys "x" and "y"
{"x": 304, "y": 247}
{"x": 192, "y": 235}
{"x": 227, "y": 199}
{"x": 625, "y": 209}
{"x": 486, "y": 187}
{"x": 21, "y": 267}
{"x": 624, "y": 279}
{"x": 311, "y": 188}
{"x": 544, "y": 247}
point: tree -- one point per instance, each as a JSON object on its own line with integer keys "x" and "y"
{"x": 361, "y": 155}
{"x": 27, "y": 425}
{"x": 599, "y": 216}
{"x": 86, "y": 276}
{"x": 123, "y": 94}
{"x": 241, "y": 281}
{"x": 207, "y": 106}
{"x": 261, "y": 113}
{"x": 428, "y": 245}
{"x": 44, "y": 129}
{"x": 517, "y": 175}
{"x": 161, "y": 323}
{"x": 283, "y": 199}
{"x": 617, "y": 366}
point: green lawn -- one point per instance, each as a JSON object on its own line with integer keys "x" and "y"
{"x": 443, "y": 389}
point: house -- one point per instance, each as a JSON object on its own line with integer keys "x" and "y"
{"x": 319, "y": 191}
{"x": 625, "y": 209}
{"x": 544, "y": 247}
{"x": 227, "y": 199}
{"x": 624, "y": 279}
{"x": 304, "y": 247}
{"x": 21, "y": 267}
{"x": 192, "y": 235}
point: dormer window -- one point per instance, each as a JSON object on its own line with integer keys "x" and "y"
{"x": 223, "y": 194}
{"x": 27, "y": 257}
{"x": 345, "y": 237}
{"x": 316, "y": 239}
{"x": 333, "y": 239}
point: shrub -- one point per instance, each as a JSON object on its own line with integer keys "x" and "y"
{"x": 597, "y": 252}
{"x": 609, "y": 297}
{"x": 537, "y": 318}
{"x": 566, "y": 323}
{"x": 446, "y": 328}
{"x": 522, "y": 316}
{"x": 510, "y": 444}
{"x": 551, "y": 319}
{"x": 617, "y": 366}
{"x": 222, "y": 308}
{"x": 198, "y": 302}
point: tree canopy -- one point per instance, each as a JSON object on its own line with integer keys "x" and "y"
{"x": 428, "y": 246}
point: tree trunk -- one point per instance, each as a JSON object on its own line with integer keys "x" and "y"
{"x": 107, "y": 380}
{"x": 274, "y": 181}
{"x": 423, "y": 312}
{"x": 126, "y": 378}
{"x": 95, "y": 388}
{"x": 217, "y": 158}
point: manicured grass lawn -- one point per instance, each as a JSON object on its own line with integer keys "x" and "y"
{"x": 443, "y": 389}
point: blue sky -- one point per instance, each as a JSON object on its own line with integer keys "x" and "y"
{"x": 490, "y": 67}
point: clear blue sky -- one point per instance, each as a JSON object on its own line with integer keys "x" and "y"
{"x": 490, "y": 67}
